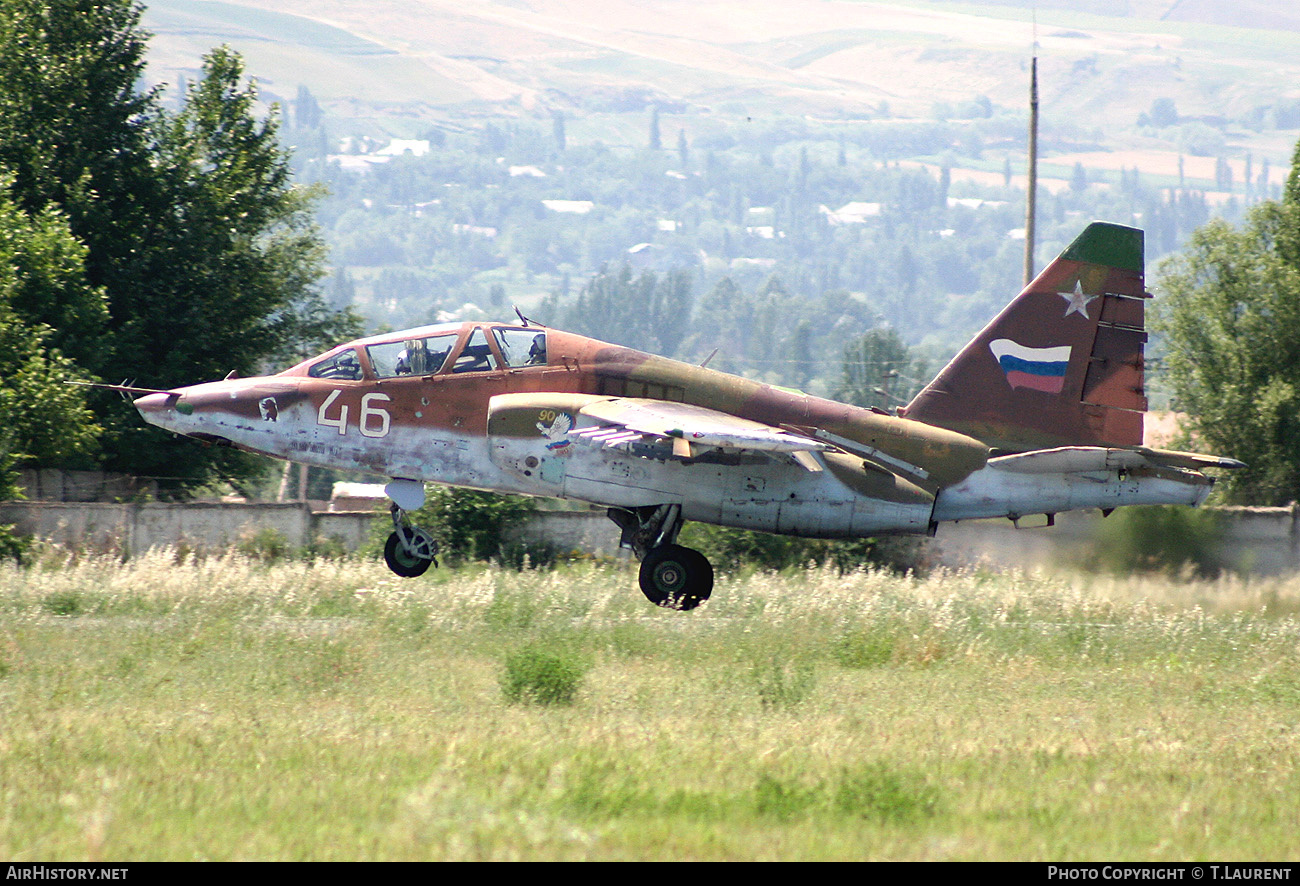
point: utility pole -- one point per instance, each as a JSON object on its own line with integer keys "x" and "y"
{"x": 1031, "y": 196}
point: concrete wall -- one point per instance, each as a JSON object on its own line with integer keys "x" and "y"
{"x": 1259, "y": 541}
{"x": 136, "y": 527}
{"x": 1264, "y": 541}
{"x": 590, "y": 532}
{"x": 60, "y": 485}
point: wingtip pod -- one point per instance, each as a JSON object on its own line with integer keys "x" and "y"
{"x": 1062, "y": 364}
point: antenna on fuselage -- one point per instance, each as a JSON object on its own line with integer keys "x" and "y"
{"x": 520, "y": 315}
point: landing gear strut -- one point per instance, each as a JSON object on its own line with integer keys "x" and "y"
{"x": 409, "y": 551}
{"x": 671, "y": 576}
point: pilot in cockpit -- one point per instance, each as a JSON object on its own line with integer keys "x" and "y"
{"x": 537, "y": 353}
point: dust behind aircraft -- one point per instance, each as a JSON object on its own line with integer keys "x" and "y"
{"x": 1041, "y": 413}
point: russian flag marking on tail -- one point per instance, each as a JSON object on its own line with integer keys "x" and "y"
{"x": 1039, "y": 369}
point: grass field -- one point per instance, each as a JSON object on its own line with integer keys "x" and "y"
{"x": 227, "y": 709}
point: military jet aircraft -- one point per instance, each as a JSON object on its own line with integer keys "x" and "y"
{"x": 1041, "y": 413}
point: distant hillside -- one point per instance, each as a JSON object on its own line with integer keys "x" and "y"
{"x": 825, "y": 57}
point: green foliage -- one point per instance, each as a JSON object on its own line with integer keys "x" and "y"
{"x": 1166, "y": 538}
{"x": 470, "y": 525}
{"x": 643, "y": 311}
{"x": 876, "y": 792}
{"x": 194, "y": 253}
{"x": 64, "y": 603}
{"x": 12, "y": 545}
{"x": 869, "y": 646}
{"x": 42, "y": 418}
{"x": 730, "y": 550}
{"x": 880, "y": 792}
{"x": 783, "y": 798}
{"x": 542, "y": 675}
{"x": 43, "y": 279}
{"x": 1230, "y": 315}
{"x": 269, "y": 545}
{"x": 782, "y": 681}
{"x": 880, "y": 371}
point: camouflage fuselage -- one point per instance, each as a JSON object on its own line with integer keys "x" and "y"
{"x": 485, "y": 419}
{"x": 436, "y": 428}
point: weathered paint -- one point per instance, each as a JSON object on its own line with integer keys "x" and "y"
{"x": 1089, "y": 305}
{"x": 573, "y": 417}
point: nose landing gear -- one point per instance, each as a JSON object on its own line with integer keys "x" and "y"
{"x": 409, "y": 551}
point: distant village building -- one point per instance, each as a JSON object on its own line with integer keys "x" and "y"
{"x": 476, "y": 230}
{"x": 855, "y": 213}
{"x": 974, "y": 203}
{"x": 575, "y": 207}
{"x": 357, "y": 496}
{"x": 356, "y": 155}
{"x": 416, "y": 147}
{"x": 765, "y": 264}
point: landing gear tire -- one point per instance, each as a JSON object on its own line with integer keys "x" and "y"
{"x": 675, "y": 577}
{"x": 401, "y": 561}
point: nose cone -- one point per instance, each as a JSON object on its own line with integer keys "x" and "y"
{"x": 157, "y": 409}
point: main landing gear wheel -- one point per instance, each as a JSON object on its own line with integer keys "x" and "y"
{"x": 412, "y": 557}
{"x": 675, "y": 577}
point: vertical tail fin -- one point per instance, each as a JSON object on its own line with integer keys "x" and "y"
{"x": 1062, "y": 364}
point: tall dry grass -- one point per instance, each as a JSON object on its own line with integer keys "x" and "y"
{"x": 176, "y": 706}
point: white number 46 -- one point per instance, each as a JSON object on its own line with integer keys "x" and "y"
{"x": 374, "y": 422}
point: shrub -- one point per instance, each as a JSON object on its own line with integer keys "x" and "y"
{"x": 267, "y": 545}
{"x": 1164, "y": 538}
{"x": 879, "y": 792}
{"x": 12, "y": 545}
{"x": 470, "y": 525}
{"x": 867, "y": 647}
{"x": 536, "y": 675}
{"x": 732, "y": 549}
{"x": 782, "y": 798}
{"x": 64, "y": 603}
{"x": 783, "y": 684}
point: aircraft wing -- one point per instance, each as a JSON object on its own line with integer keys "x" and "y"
{"x": 692, "y": 426}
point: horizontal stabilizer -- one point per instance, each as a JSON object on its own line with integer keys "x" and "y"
{"x": 1083, "y": 459}
{"x": 1174, "y": 459}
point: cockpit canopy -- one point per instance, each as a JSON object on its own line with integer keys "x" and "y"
{"x": 450, "y": 349}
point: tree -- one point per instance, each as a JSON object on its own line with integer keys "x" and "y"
{"x": 557, "y": 131}
{"x": 41, "y": 417}
{"x": 878, "y": 371}
{"x": 203, "y": 249}
{"x": 43, "y": 279}
{"x": 646, "y": 311}
{"x": 1231, "y": 318}
{"x": 74, "y": 136}
{"x": 655, "y": 143}
{"x": 307, "y": 111}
